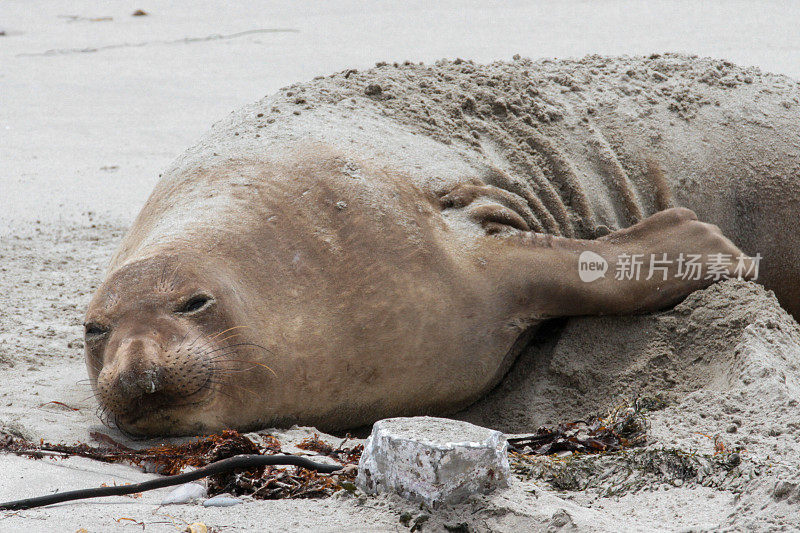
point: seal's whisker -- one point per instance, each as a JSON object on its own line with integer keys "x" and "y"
{"x": 223, "y": 393}
{"x": 238, "y": 386}
{"x": 234, "y": 370}
{"x": 92, "y": 395}
{"x": 230, "y": 337}
{"x": 257, "y": 395}
{"x": 209, "y": 340}
{"x": 104, "y": 415}
{"x": 96, "y": 366}
{"x": 196, "y": 339}
{"x": 209, "y": 343}
{"x": 180, "y": 343}
{"x": 240, "y": 344}
{"x": 226, "y": 331}
{"x": 220, "y": 356}
{"x": 213, "y": 381}
{"x": 253, "y": 363}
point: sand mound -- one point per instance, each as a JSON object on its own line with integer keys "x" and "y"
{"x": 727, "y": 363}
{"x": 722, "y": 339}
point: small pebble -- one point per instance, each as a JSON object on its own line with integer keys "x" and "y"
{"x": 373, "y": 90}
{"x": 184, "y": 494}
{"x": 222, "y": 500}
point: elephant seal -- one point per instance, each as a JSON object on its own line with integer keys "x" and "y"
{"x": 381, "y": 243}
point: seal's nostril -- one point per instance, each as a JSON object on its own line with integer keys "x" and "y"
{"x": 147, "y": 381}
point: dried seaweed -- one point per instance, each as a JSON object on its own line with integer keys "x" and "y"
{"x": 171, "y": 459}
{"x": 623, "y": 427}
{"x": 278, "y": 483}
{"x": 632, "y": 470}
{"x": 341, "y": 454}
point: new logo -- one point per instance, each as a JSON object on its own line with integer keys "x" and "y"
{"x": 591, "y": 266}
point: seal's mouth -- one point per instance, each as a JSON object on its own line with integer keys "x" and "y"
{"x": 159, "y": 409}
{"x": 158, "y": 412}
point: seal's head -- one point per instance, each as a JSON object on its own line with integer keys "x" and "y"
{"x": 159, "y": 346}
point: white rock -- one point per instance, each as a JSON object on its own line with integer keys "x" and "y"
{"x": 222, "y": 500}
{"x": 433, "y": 460}
{"x": 185, "y": 493}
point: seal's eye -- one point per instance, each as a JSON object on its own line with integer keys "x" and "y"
{"x": 94, "y": 331}
{"x": 195, "y": 303}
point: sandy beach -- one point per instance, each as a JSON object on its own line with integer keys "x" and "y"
{"x": 96, "y": 103}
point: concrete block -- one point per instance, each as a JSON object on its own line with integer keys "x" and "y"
{"x": 433, "y": 460}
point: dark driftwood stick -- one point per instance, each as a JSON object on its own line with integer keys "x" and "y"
{"x": 233, "y": 463}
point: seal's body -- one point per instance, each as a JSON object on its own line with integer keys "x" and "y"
{"x": 334, "y": 260}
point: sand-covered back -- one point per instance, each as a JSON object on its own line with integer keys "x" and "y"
{"x": 573, "y": 138}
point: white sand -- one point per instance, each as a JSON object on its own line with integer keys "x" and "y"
{"x": 89, "y": 131}
{"x": 68, "y": 118}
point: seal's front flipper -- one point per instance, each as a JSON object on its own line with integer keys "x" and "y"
{"x": 649, "y": 266}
